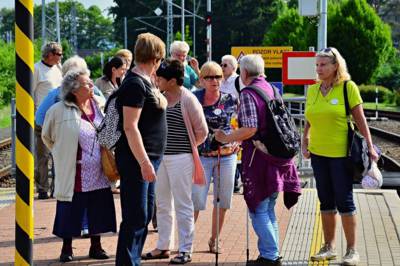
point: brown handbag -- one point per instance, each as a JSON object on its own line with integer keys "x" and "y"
{"x": 109, "y": 165}
{"x": 107, "y": 158}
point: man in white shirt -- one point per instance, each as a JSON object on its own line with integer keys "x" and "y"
{"x": 47, "y": 76}
{"x": 231, "y": 83}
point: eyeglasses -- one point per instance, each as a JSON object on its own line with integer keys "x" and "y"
{"x": 224, "y": 65}
{"x": 87, "y": 83}
{"x": 328, "y": 50}
{"x": 216, "y": 77}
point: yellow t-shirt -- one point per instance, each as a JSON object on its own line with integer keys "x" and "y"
{"x": 327, "y": 118}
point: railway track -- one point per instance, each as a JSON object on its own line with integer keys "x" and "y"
{"x": 5, "y": 168}
{"x": 389, "y": 114}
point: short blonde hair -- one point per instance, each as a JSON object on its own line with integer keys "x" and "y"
{"x": 179, "y": 46}
{"x": 231, "y": 59}
{"x": 342, "y": 73}
{"x": 210, "y": 67}
{"x": 148, "y": 47}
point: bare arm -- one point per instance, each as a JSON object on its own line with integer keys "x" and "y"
{"x": 306, "y": 138}
{"x": 240, "y": 134}
{"x": 131, "y": 129}
{"x": 358, "y": 114}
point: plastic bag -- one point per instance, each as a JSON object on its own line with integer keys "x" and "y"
{"x": 373, "y": 179}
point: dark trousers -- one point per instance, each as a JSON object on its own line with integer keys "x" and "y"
{"x": 334, "y": 184}
{"x": 137, "y": 205}
{"x": 42, "y": 156}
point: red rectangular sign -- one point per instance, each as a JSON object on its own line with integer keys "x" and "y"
{"x": 304, "y": 68}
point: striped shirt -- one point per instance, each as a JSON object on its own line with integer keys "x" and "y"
{"x": 177, "y": 138}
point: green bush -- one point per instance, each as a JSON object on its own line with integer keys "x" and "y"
{"x": 368, "y": 93}
{"x": 397, "y": 98}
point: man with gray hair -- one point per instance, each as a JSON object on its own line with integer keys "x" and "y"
{"x": 47, "y": 75}
{"x": 263, "y": 175}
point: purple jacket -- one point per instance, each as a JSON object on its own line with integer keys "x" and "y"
{"x": 265, "y": 174}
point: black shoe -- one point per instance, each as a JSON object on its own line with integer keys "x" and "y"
{"x": 236, "y": 189}
{"x": 260, "y": 261}
{"x": 181, "y": 258}
{"x": 66, "y": 257}
{"x": 43, "y": 195}
{"x": 98, "y": 254}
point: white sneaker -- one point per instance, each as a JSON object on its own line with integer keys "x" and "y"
{"x": 351, "y": 258}
{"x": 325, "y": 253}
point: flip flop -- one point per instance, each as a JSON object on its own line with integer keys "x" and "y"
{"x": 164, "y": 254}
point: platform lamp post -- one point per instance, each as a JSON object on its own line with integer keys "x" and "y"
{"x": 24, "y": 140}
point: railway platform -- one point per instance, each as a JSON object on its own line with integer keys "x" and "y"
{"x": 300, "y": 233}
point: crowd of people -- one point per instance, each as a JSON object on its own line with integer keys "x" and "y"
{"x": 182, "y": 128}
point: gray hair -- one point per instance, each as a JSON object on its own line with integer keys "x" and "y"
{"x": 73, "y": 62}
{"x": 179, "y": 46}
{"x": 253, "y": 64}
{"x": 70, "y": 83}
{"x": 231, "y": 59}
{"x": 50, "y": 47}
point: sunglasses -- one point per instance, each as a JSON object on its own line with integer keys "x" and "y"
{"x": 224, "y": 65}
{"x": 216, "y": 77}
{"x": 327, "y": 51}
{"x": 59, "y": 54}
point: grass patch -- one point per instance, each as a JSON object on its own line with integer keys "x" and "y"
{"x": 5, "y": 116}
{"x": 382, "y": 106}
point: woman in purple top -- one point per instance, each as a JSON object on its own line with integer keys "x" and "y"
{"x": 263, "y": 175}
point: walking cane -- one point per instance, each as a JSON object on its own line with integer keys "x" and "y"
{"x": 218, "y": 187}
{"x": 247, "y": 236}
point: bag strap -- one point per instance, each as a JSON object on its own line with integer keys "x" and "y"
{"x": 237, "y": 84}
{"x": 350, "y": 124}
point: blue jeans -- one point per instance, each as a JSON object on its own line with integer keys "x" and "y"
{"x": 266, "y": 227}
{"x": 226, "y": 182}
{"x": 137, "y": 204}
{"x": 334, "y": 184}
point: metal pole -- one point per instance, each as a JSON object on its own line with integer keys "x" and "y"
{"x": 183, "y": 20}
{"x": 376, "y": 102}
{"x": 322, "y": 27}
{"x": 170, "y": 25}
{"x": 209, "y": 30}
{"x": 13, "y": 132}
{"x": 24, "y": 222}
{"x": 58, "y": 22}
{"x": 125, "y": 33}
{"x": 44, "y": 21}
{"x": 194, "y": 28}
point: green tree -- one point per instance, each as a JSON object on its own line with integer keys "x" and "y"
{"x": 361, "y": 37}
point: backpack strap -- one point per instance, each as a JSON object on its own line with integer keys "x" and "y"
{"x": 346, "y": 99}
{"x": 237, "y": 84}
{"x": 260, "y": 92}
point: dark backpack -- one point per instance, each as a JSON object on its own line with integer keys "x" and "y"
{"x": 281, "y": 137}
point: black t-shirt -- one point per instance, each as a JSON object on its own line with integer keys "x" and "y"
{"x": 138, "y": 92}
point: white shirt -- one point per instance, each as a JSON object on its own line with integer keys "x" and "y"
{"x": 228, "y": 85}
{"x": 44, "y": 79}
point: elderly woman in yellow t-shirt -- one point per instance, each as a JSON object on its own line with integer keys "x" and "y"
{"x": 325, "y": 141}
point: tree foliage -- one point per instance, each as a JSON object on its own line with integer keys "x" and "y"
{"x": 353, "y": 27}
{"x": 361, "y": 37}
{"x": 92, "y": 28}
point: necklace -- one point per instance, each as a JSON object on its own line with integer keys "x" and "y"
{"x": 325, "y": 89}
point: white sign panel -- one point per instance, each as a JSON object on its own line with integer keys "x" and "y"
{"x": 301, "y": 68}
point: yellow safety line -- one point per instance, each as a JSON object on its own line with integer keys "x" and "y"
{"x": 317, "y": 238}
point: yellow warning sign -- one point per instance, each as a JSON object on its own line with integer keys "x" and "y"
{"x": 272, "y": 55}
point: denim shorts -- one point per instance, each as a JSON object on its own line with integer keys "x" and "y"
{"x": 334, "y": 184}
{"x": 226, "y": 178}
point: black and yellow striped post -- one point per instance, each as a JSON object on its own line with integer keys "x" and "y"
{"x": 25, "y": 125}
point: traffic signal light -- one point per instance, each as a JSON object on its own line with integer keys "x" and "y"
{"x": 208, "y": 18}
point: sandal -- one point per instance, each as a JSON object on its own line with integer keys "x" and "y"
{"x": 181, "y": 258}
{"x": 164, "y": 254}
{"x": 212, "y": 247}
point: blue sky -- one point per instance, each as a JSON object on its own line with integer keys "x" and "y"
{"x": 102, "y": 4}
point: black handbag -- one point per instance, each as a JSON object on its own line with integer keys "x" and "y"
{"x": 357, "y": 148}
